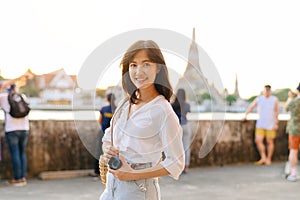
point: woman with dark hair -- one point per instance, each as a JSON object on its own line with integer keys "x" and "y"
{"x": 181, "y": 108}
{"x": 107, "y": 112}
{"x": 143, "y": 127}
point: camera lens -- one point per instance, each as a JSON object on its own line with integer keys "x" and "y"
{"x": 114, "y": 163}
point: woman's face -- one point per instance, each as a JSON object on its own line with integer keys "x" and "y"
{"x": 142, "y": 71}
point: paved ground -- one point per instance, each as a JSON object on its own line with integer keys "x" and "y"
{"x": 216, "y": 183}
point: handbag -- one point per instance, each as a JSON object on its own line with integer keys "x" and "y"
{"x": 103, "y": 168}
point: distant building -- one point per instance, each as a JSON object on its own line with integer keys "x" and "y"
{"x": 56, "y": 87}
{"x": 194, "y": 81}
{"x": 236, "y": 89}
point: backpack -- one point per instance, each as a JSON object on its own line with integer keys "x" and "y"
{"x": 19, "y": 108}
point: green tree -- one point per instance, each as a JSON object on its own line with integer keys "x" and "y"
{"x": 251, "y": 99}
{"x": 201, "y": 97}
{"x": 230, "y": 99}
{"x": 282, "y": 94}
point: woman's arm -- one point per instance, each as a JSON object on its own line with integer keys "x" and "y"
{"x": 126, "y": 173}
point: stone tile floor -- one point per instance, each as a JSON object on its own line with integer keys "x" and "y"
{"x": 229, "y": 182}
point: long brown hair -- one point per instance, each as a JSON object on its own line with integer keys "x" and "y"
{"x": 179, "y": 100}
{"x": 161, "y": 83}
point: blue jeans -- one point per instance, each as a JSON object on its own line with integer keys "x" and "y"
{"x": 17, "y": 141}
{"x": 142, "y": 189}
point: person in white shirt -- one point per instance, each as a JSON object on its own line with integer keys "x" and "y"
{"x": 143, "y": 127}
{"x": 266, "y": 125}
{"x": 16, "y": 133}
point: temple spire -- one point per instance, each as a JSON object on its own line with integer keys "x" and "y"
{"x": 194, "y": 39}
{"x": 236, "y": 89}
{"x": 193, "y": 56}
{"x": 193, "y": 80}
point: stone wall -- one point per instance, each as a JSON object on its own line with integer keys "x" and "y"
{"x": 56, "y": 145}
{"x": 235, "y": 143}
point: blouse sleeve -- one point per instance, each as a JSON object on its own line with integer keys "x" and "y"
{"x": 106, "y": 137}
{"x": 171, "y": 137}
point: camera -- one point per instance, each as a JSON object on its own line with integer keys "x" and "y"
{"x": 115, "y": 162}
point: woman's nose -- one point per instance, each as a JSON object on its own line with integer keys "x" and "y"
{"x": 139, "y": 68}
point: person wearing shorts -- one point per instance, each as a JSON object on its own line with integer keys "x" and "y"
{"x": 293, "y": 129}
{"x": 265, "y": 133}
{"x": 266, "y": 124}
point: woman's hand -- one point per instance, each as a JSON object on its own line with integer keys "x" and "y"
{"x": 109, "y": 151}
{"x": 125, "y": 173}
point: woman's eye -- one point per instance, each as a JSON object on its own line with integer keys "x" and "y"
{"x": 146, "y": 64}
{"x": 132, "y": 65}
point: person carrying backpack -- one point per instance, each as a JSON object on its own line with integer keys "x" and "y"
{"x": 16, "y": 133}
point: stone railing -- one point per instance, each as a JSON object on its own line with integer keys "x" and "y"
{"x": 55, "y": 145}
{"x": 235, "y": 143}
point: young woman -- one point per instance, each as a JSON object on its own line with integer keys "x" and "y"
{"x": 143, "y": 127}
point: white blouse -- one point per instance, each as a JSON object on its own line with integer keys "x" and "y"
{"x": 152, "y": 129}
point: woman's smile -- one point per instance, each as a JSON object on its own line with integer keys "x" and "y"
{"x": 142, "y": 70}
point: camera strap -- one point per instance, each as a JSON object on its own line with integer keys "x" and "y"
{"x": 118, "y": 111}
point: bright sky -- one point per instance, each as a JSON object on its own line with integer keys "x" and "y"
{"x": 258, "y": 40}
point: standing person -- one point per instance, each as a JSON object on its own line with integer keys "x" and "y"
{"x": 106, "y": 113}
{"x": 7, "y": 83}
{"x": 293, "y": 129}
{"x": 266, "y": 125}
{"x": 16, "y": 133}
{"x": 181, "y": 108}
{"x": 143, "y": 127}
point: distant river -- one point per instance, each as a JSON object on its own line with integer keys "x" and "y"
{"x": 94, "y": 115}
